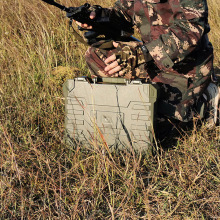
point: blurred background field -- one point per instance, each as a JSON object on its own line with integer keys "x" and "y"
{"x": 42, "y": 178}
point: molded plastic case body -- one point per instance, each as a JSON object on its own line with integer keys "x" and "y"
{"x": 116, "y": 112}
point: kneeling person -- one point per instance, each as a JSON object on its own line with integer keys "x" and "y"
{"x": 175, "y": 53}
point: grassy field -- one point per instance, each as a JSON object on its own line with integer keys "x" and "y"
{"x": 42, "y": 178}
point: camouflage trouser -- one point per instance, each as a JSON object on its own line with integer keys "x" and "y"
{"x": 178, "y": 99}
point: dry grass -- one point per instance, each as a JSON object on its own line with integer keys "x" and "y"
{"x": 42, "y": 178}
{"x": 214, "y": 14}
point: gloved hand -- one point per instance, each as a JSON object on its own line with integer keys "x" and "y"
{"x": 127, "y": 56}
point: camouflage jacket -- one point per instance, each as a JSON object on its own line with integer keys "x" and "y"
{"x": 175, "y": 33}
{"x": 170, "y": 29}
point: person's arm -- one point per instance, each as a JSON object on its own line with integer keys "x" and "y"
{"x": 183, "y": 36}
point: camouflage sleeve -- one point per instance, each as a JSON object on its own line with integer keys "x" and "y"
{"x": 183, "y": 35}
{"x": 125, "y": 8}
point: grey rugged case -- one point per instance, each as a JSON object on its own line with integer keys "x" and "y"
{"x": 115, "y": 112}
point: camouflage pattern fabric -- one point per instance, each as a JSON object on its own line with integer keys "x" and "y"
{"x": 128, "y": 54}
{"x": 175, "y": 34}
